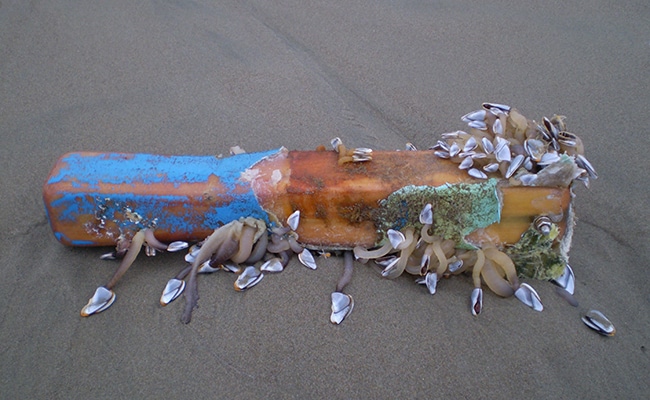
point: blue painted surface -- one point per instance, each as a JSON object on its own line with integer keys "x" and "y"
{"x": 120, "y": 168}
{"x": 88, "y": 172}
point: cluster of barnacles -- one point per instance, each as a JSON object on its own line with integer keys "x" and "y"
{"x": 359, "y": 154}
{"x": 500, "y": 140}
{"x": 432, "y": 257}
{"x": 246, "y": 241}
{"x": 127, "y": 249}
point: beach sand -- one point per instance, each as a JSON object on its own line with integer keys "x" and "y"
{"x": 182, "y": 77}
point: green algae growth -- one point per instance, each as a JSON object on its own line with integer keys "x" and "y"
{"x": 458, "y": 209}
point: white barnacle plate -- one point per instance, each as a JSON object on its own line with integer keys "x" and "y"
{"x": 567, "y": 139}
{"x": 454, "y": 149}
{"x": 410, "y": 147}
{"x": 108, "y": 256}
{"x": 192, "y": 253}
{"x": 497, "y": 128}
{"x": 207, "y": 268}
{"x": 502, "y": 150}
{"x": 528, "y": 164}
{"x": 496, "y": 106}
{"x": 272, "y": 265}
{"x": 386, "y": 260}
{"x": 527, "y": 295}
{"x": 342, "y": 305}
{"x": 544, "y": 225}
{"x": 455, "y": 266}
{"x": 249, "y": 278}
{"x": 101, "y": 300}
{"x": 177, "y": 246}
{"x": 567, "y": 280}
{"x": 491, "y": 167}
{"x": 390, "y": 268}
{"x": 441, "y": 154}
{"x": 551, "y": 128}
{"x": 480, "y": 125}
{"x": 396, "y": 238}
{"x": 294, "y": 220}
{"x": 535, "y": 149}
{"x": 431, "y": 281}
{"x": 528, "y": 179}
{"x": 514, "y": 165}
{"x": 452, "y": 135}
{"x": 549, "y": 158}
{"x": 586, "y": 165}
{"x": 230, "y": 267}
{"x": 150, "y": 251}
{"x": 599, "y": 322}
{"x": 172, "y": 290}
{"x": 336, "y": 142}
{"x": 477, "y": 301}
{"x": 362, "y": 154}
{"x": 307, "y": 259}
{"x": 426, "y": 215}
{"x": 470, "y": 144}
{"x": 476, "y": 173}
{"x": 466, "y": 163}
{"x": 441, "y": 145}
{"x": 487, "y": 145}
{"x": 478, "y": 115}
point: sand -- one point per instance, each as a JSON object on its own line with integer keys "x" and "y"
{"x": 199, "y": 77}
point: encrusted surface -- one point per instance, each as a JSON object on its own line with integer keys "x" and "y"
{"x": 457, "y": 209}
{"x": 536, "y": 255}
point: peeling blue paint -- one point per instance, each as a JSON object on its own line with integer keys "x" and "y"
{"x": 62, "y": 238}
{"x": 87, "y": 172}
{"x": 136, "y": 169}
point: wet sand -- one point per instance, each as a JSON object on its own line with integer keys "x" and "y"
{"x": 197, "y": 78}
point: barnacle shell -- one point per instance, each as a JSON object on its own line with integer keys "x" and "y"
{"x": 272, "y": 265}
{"x": 567, "y": 280}
{"x": 173, "y": 289}
{"x": 477, "y": 301}
{"x": 307, "y": 259}
{"x": 101, "y": 300}
{"x": 249, "y": 278}
{"x": 527, "y": 295}
{"x": 597, "y": 321}
{"x": 177, "y": 246}
{"x": 342, "y": 305}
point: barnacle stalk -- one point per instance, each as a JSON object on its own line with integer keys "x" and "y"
{"x": 129, "y": 258}
{"x": 223, "y": 244}
{"x": 346, "y": 277}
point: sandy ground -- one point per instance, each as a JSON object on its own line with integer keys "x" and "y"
{"x": 196, "y": 77}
